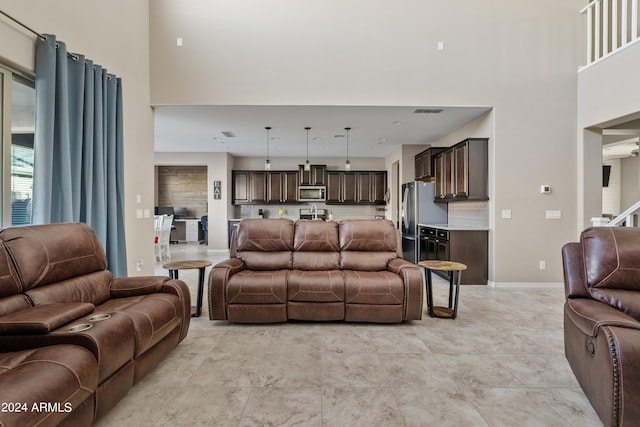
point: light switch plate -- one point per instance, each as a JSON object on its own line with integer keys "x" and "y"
{"x": 554, "y": 214}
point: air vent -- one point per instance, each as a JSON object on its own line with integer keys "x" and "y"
{"x": 427, "y": 111}
{"x": 228, "y": 134}
{"x": 339, "y": 136}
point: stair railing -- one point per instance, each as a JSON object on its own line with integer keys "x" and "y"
{"x": 627, "y": 217}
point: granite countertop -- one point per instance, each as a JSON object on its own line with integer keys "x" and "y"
{"x": 456, "y": 227}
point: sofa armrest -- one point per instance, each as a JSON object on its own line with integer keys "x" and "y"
{"x": 590, "y": 315}
{"x": 181, "y": 290}
{"x": 413, "y": 286}
{"x": 42, "y": 319}
{"x": 218, "y": 278}
{"x": 134, "y": 286}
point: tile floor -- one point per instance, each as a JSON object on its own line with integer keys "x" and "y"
{"x": 500, "y": 363}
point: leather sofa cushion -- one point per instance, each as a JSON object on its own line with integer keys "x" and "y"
{"x": 63, "y": 374}
{"x": 265, "y": 235}
{"x": 365, "y": 261}
{"x": 371, "y": 235}
{"x": 611, "y": 257}
{"x": 316, "y": 260}
{"x": 154, "y": 317}
{"x": 45, "y": 254}
{"x": 254, "y": 260}
{"x": 369, "y": 287}
{"x": 313, "y": 235}
{"x": 315, "y": 286}
{"x": 258, "y": 287}
{"x": 8, "y": 283}
{"x": 93, "y": 288}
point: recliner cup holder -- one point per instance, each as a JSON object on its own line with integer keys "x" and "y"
{"x": 99, "y": 317}
{"x": 80, "y": 327}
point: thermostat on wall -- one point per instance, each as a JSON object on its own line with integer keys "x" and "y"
{"x": 545, "y": 189}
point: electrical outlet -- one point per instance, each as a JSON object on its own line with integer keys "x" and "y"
{"x": 543, "y": 265}
{"x": 506, "y": 213}
{"x": 139, "y": 265}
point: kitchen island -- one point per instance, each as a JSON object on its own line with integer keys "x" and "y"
{"x": 465, "y": 244}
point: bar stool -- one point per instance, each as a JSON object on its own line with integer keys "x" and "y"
{"x": 455, "y": 268}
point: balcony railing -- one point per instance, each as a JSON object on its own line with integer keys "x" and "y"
{"x": 612, "y": 25}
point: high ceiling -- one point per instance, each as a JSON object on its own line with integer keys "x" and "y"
{"x": 621, "y": 141}
{"x": 375, "y": 131}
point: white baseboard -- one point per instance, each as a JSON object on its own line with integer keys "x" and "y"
{"x": 491, "y": 284}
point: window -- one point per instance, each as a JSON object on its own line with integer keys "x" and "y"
{"x": 18, "y": 100}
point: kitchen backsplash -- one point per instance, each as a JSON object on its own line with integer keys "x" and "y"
{"x": 469, "y": 214}
{"x": 293, "y": 211}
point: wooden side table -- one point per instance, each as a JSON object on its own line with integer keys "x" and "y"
{"x": 455, "y": 268}
{"x": 175, "y": 266}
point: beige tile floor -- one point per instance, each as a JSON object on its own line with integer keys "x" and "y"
{"x": 500, "y": 363}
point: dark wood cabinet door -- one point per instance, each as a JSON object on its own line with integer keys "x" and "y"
{"x": 379, "y": 190}
{"x": 240, "y": 190}
{"x": 274, "y": 187}
{"x": 364, "y": 187}
{"x": 290, "y": 187}
{"x": 447, "y": 172}
{"x": 438, "y": 172}
{"x": 314, "y": 176}
{"x": 334, "y": 187}
{"x": 461, "y": 170}
{"x": 349, "y": 187}
{"x": 258, "y": 187}
{"x": 419, "y": 166}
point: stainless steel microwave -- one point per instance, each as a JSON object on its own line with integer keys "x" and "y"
{"x": 312, "y": 194}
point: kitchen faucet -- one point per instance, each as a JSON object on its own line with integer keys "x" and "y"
{"x": 314, "y": 209}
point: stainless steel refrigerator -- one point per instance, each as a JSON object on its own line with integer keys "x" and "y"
{"x": 418, "y": 207}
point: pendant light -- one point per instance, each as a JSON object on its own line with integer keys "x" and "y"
{"x": 307, "y": 166}
{"x": 347, "y": 163}
{"x": 267, "y": 163}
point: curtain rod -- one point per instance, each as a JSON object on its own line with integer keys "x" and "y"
{"x": 22, "y": 25}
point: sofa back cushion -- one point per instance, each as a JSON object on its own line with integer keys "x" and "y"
{"x": 50, "y": 253}
{"x": 367, "y": 244}
{"x": 316, "y": 245}
{"x": 8, "y": 283}
{"x": 265, "y": 244}
{"x": 612, "y": 266}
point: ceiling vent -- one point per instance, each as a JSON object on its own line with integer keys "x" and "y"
{"x": 427, "y": 111}
{"x": 229, "y": 134}
{"x": 339, "y": 136}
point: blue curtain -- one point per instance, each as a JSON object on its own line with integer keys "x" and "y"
{"x": 78, "y": 147}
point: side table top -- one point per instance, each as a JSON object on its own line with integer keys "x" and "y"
{"x": 186, "y": 264}
{"x": 442, "y": 265}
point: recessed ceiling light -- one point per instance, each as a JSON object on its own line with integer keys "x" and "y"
{"x": 397, "y": 122}
{"x": 327, "y": 148}
{"x": 374, "y": 148}
{"x": 317, "y": 138}
{"x": 382, "y": 140}
{"x": 275, "y": 138}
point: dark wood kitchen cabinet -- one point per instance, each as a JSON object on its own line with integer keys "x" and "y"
{"x": 470, "y": 247}
{"x": 257, "y": 187}
{"x": 341, "y": 187}
{"x": 424, "y": 168}
{"x": 315, "y": 176}
{"x": 282, "y": 187}
{"x": 362, "y": 187}
{"x": 462, "y": 172}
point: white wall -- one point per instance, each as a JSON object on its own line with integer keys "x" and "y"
{"x": 519, "y": 57}
{"x": 630, "y": 182}
{"x": 611, "y": 194}
{"x": 114, "y": 34}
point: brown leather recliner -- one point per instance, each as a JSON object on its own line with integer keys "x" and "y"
{"x": 315, "y": 270}
{"x": 602, "y": 320}
{"x": 56, "y": 297}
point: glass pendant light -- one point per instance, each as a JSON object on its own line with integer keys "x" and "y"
{"x": 307, "y": 166}
{"x": 267, "y": 163}
{"x": 347, "y": 163}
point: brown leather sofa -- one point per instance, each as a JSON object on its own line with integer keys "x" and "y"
{"x": 73, "y": 338}
{"x": 315, "y": 270}
{"x": 602, "y": 320}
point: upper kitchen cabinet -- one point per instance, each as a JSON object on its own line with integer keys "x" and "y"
{"x": 315, "y": 176}
{"x": 362, "y": 187}
{"x": 462, "y": 172}
{"x": 260, "y": 187}
{"x": 341, "y": 187}
{"x": 282, "y": 187}
{"x": 424, "y": 167}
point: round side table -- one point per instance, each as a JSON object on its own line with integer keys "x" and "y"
{"x": 173, "y": 268}
{"x": 455, "y": 268}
